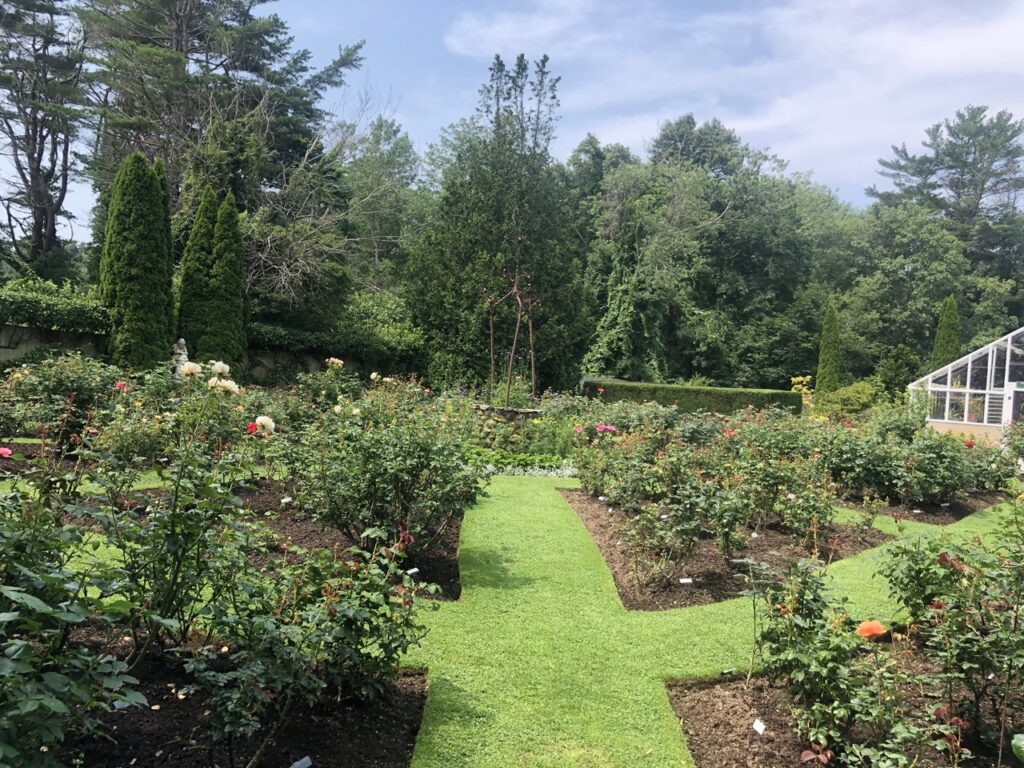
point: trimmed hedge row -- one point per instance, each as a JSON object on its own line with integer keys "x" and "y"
{"x": 690, "y": 399}
{"x": 39, "y": 304}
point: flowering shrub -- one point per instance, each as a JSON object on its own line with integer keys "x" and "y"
{"x": 393, "y": 471}
{"x": 56, "y": 397}
{"x": 967, "y": 602}
{"x": 845, "y": 688}
{"x": 49, "y": 685}
{"x": 298, "y": 634}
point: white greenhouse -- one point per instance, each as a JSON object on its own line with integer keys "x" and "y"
{"x": 981, "y": 393}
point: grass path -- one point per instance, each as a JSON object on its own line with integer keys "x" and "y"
{"x": 540, "y": 665}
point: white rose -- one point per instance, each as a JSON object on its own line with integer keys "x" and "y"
{"x": 220, "y": 368}
{"x": 266, "y": 424}
{"x": 374, "y": 376}
{"x": 356, "y": 411}
{"x": 337, "y": 409}
{"x": 191, "y": 369}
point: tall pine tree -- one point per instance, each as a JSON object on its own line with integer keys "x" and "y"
{"x": 828, "y": 353}
{"x": 134, "y": 267}
{"x": 947, "y": 335}
{"x": 194, "y": 279}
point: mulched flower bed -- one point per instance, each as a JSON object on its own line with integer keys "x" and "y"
{"x": 717, "y": 718}
{"x": 941, "y": 514}
{"x": 347, "y": 734}
{"x": 714, "y": 579}
{"x": 437, "y": 565}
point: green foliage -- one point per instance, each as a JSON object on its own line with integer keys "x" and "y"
{"x": 845, "y": 689}
{"x": 845, "y": 402}
{"x": 56, "y": 398}
{"x": 195, "y": 301}
{"x": 897, "y": 369}
{"x": 690, "y": 399}
{"x": 330, "y": 625}
{"x": 220, "y": 325}
{"x": 966, "y": 601}
{"x": 49, "y": 686}
{"x": 134, "y": 268}
{"x": 381, "y": 463}
{"x": 829, "y": 353}
{"x": 36, "y": 303}
{"x": 947, "y": 335}
{"x": 504, "y": 220}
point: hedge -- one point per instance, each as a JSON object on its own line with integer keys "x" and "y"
{"x": 690, "y": 399}
{"x": 38, "y": 304}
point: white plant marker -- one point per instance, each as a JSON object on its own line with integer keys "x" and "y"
{"x": 686, "y": 581}
{"x": 303, "y": 763}
{"x": 412, "y": 571}
{"x": 760, "y": 727}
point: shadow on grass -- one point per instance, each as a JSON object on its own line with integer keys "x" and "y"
{"x": 489, "y": 569}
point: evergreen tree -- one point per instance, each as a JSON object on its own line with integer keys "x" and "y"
{"x": 828, "y": 353}
{"x": 947, "y": 335}
{"x": 194, "y": 276}
{"x": 160, "y": 169}
{"x": 134, "y": 278}
{"x": 223, "y": 335}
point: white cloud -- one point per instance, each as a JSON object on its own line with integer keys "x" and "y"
{"x": 828, "y": 86}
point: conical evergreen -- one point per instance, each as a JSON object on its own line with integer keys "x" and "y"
{"x": 829, "y": 352}
{"x": 947, "y": 335}
{"x": 160, "y": 169}
{"x": 134, "y": 276}
{"x": 194, "y": 278}
{"x": 223, "y": 337}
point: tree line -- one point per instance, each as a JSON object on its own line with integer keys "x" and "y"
{"x": 705, "y": 262}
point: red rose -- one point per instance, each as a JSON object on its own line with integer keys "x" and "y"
{"x": 251, "y": 429}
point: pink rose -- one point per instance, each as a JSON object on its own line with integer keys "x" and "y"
{"x": 600, "y": 427}
{"x": 579, "y": 430}
{"x": 5, "y": 453}
{"x": 609, "y": 427}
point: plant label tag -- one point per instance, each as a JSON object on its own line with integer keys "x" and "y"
{"x": 760, "y": 727}
{"x": 303, "y": 763}
{"x": 686, "y": 581}
{"x": 753, "y": 535}
{"x": 412, "y": 571}
{"x": 119, "y": 705}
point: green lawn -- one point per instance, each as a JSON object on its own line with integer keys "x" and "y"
{"x": 540, "y": 665}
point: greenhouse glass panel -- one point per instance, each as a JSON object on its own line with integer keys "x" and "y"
{"x": 979, "y": 371}
{"x": 941, "y": 379}
{"x": 976, "y": 409}
{"x": 937, "y": 409}
{"x": 1017, "y": 356}
{"x": 956, "y": 406}
{"x": 999, "y": 367}
{"x": 958, "y": 377}
{"x": 995, "y": 409}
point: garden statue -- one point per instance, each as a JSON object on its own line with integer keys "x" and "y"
{"x": 179, "y": 353}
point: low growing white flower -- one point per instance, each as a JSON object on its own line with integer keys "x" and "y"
{"x": 356, "y": 411}
{"x": 337, "y": 409}
{"x": 213, "y": 383}
{"x": 188, "y": 370}
{"x": 334, "y": 362}
{"x": 266, "y": 424}
{"x": 374, "y": 376}
{"x": 220, "y": 368}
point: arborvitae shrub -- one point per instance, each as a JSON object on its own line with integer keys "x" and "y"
{"x": 827, "y": 379}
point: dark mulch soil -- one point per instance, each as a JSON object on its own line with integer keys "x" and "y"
{"x": 379, "y": 734}
{"x": 718, "y": 717}
{"x": 942, "y": 514}
{"x": 714, "y": 578}
{"x": 439, "y": 564}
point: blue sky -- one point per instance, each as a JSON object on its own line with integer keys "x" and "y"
{"x": 828, "y": 85}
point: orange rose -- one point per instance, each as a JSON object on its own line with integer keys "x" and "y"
{"x": 871, "y": 629}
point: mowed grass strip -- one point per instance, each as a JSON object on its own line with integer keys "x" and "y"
{"x": 540, "y": 665}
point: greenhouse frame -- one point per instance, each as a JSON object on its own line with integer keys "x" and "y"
{"x": 981, "y": 393}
